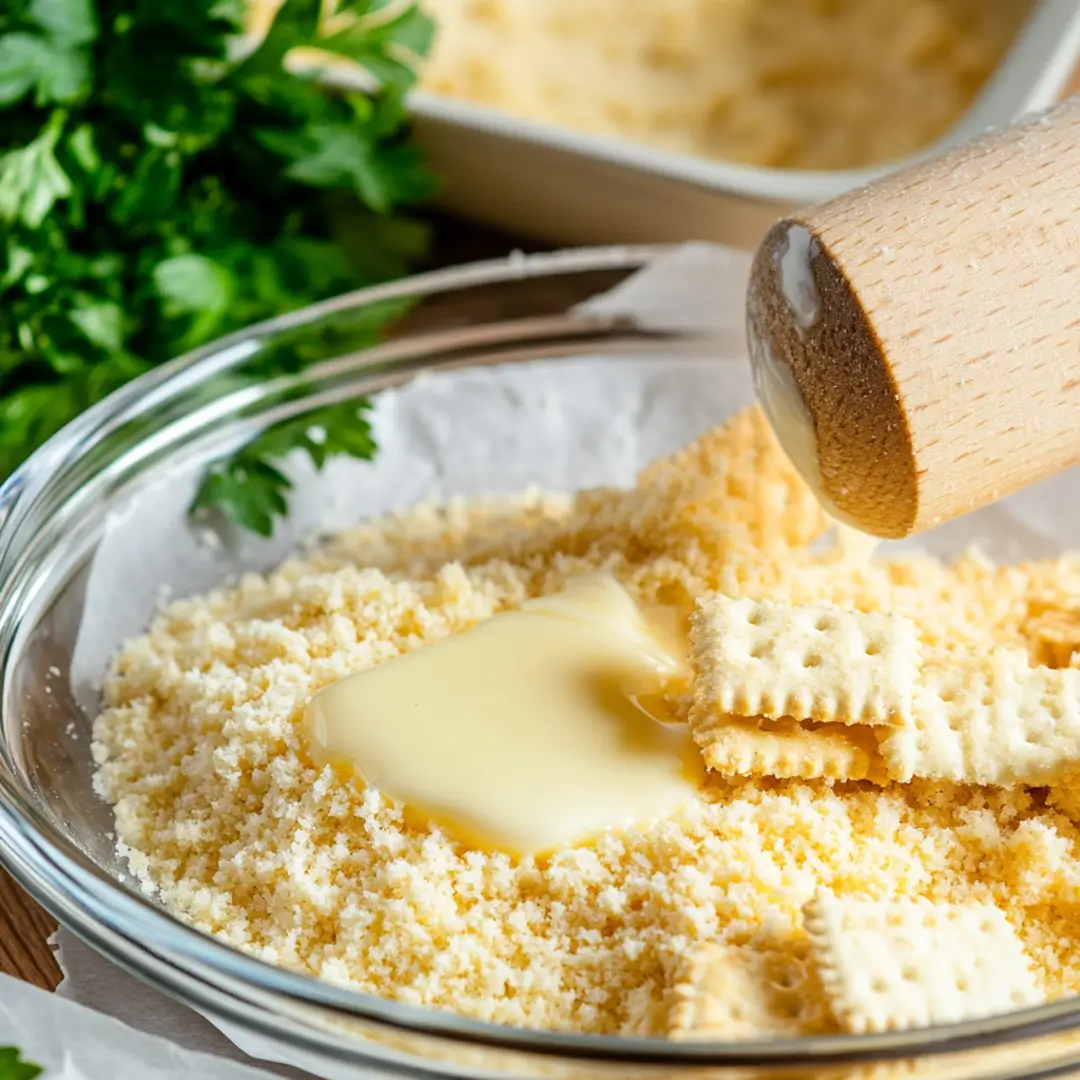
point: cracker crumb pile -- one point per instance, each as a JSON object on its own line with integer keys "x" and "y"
{"x": 222, "y": 815}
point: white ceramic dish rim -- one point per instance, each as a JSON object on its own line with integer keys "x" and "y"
{"x": 1030, "y": 77}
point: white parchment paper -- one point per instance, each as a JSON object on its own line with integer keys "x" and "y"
{"x": 560, "y": 425}
{"x": 71, "y": 1042}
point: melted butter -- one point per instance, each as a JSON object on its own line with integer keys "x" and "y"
{"x": 536, "y": 729}
{"x": 784, "y": 407}
{"x": 778, "y": 393}
{"x": 854, "y": 547}
{"x": 794, "y": 257}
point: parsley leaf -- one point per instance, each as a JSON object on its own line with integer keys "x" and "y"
{"x": 12, "y": 1066}
{"x": 69, "y": 21}
{"x": 387, "y": 46}
{"x": 343, "y": 154}
{"x": 47, "y": 54}
{"x": 157, "y": 193}
{"x": 249, "y": 490}
{"x": 31, "y": 179}
{"x": 199, "y": 287}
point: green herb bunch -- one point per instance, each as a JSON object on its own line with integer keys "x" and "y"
{"x": 157, "y": 191}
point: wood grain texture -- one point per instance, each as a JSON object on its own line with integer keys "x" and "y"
{"x": 941, "y": 365}
{"x": 24, "y": 932}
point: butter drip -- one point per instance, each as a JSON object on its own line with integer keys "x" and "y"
{"x": 783, "y": 405}
{"x": 775, "y": 387}
{"x": 797, "y": 250}
{"x": 536, "y": 729}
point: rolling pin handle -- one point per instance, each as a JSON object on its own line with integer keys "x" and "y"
{"x": 916, "y": 343}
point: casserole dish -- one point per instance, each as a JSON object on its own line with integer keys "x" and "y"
{"x": 568, "y": 188}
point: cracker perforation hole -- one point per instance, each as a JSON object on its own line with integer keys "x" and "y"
{"x": 1053, "y": 707}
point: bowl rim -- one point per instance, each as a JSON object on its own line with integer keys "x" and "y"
{"x": 86, "y": 901}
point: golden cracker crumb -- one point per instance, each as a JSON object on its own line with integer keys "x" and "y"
{"x": 222, "y": 814}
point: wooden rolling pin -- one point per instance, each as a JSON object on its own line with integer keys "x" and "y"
{"x": 916, "y": 343}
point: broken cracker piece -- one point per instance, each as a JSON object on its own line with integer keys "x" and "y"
{"x": 816, "y": 662}
{"x": 1003, "y": 723}
{"x": 785, "y": 749}
{"x": 737, "y": 991}
{"x": 1054, "y": 632}
{"x": 1064, "y": 796}
{"x": 900, "y": 964}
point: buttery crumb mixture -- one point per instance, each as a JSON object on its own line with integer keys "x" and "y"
{"x": 222, "y": 814}
{"x": 813, "y": 84}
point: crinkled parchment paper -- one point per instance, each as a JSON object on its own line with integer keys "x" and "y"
{"x": 559, "y": 425}
{"x": 74, "y": 1043}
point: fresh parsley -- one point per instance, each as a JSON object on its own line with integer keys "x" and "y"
{"x": 157, "y": 192}
{"x": 250, "y": 490}
{"x": 12, "y": 1066}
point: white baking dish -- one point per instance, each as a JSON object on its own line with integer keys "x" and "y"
{"x": 567, "y": 187}
{"x": 564, "y": 187}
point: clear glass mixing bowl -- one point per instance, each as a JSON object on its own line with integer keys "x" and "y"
{"x": 55, "y": 834}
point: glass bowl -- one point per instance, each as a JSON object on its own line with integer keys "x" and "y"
{"x": 55, "y": 834}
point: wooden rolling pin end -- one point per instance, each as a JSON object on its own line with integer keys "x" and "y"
{"x": 916, "y": 343}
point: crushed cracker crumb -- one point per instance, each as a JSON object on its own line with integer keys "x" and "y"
{"x": 222, "y": 815}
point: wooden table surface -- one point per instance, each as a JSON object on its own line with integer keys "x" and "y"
{"x": 24, "y": 927}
